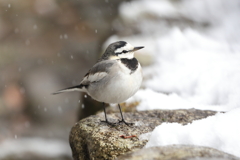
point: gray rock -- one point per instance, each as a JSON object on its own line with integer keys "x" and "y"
{"x": 178, "y": 152}
{"x": 92, "y": 139}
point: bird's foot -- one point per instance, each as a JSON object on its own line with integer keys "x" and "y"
{"x": 110, "y": 123}
{"x": 123, "y": 121}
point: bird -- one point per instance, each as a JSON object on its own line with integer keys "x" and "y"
{"x": 115, "y": 77}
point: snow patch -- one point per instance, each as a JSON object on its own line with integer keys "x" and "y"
{"x": 219, "y": 132}
{"x": 40, "y": 146}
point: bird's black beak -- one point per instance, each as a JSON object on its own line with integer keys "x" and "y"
{"x": 137, "y": 48}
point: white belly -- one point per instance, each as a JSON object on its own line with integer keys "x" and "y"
{"x": 118, "y": 86}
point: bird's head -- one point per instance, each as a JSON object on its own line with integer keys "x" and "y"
{"x": 120, "y": 49}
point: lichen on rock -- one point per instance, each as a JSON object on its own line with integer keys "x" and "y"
{"x": 92, "y": 139}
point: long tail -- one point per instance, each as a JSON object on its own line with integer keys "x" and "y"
{"x": 70, "y": 89}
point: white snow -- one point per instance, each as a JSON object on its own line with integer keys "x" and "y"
{"x": 150, "y": 100}
{"x": 196, "y": 64}
{"x": 197, "y": 68}
{"x": 158, "y": 8}
{"x": 220, "y": 131}
{"x": 42, "y": 147}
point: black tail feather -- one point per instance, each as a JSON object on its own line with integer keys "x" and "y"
{"x": 69, "y": 89}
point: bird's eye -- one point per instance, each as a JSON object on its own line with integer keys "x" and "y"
{"x": 124, "y": 51}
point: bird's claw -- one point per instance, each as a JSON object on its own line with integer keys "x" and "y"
{"x": 110, "y": 123}
{"x": 123, "y": 121}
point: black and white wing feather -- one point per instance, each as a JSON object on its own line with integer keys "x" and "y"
{"x": 95, "y": 74}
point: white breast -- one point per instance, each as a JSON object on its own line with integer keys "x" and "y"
{"x": 118, "y": 86}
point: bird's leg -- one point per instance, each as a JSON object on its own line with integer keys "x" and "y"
{"x": 120, "y": 121}
{"x": 106, "y": 120}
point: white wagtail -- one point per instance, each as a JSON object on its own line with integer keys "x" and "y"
{"x": 114, "y": 78}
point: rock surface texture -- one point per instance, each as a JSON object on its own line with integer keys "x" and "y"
{"x": 178, "y": 152}
{"x": 92, "y": 139}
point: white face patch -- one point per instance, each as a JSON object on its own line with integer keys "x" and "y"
{"x": 127, "y": 47}
{"x": 128, "y": 55}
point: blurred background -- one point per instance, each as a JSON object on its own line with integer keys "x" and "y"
{"x": 47, "y": 45}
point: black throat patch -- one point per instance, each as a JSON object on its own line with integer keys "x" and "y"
{"x": 132, "y": 64}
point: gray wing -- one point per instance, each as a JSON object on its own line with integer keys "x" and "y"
{"x": 97, "y": 72}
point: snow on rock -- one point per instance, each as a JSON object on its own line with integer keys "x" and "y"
{"x": 220, "y": 132}
{"x": 150, "y": 100}
{"x": 196, "y": 68}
